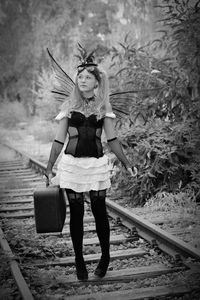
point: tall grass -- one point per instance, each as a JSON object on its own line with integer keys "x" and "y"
{"x": 182, "y": 202}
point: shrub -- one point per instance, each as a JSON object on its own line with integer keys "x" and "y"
{"x": 161, "y": 133}
{"x": 166, "y": 155}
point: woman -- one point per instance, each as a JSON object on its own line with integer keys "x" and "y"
{"x": 83, "y": 166}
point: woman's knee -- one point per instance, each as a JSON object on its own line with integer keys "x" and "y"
{"x": 98, "y": 205}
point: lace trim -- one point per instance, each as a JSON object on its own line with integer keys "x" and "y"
{"x": 90, "y": 108}
{"x": 110, "y": 115}
{"x": 63, "y": 114}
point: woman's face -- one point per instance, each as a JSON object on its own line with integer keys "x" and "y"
{"x": 86, "y": 81}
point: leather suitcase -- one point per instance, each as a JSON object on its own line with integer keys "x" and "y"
{"x": 49, "y": 209}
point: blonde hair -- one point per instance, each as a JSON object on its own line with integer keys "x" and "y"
{"x": 102, "y": 103}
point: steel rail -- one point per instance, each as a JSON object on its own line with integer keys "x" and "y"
{"x": 18, "y": 277}
{"x": 150, "y": 232}
{"x": 33, "y": 163}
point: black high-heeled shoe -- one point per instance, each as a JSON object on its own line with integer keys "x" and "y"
{"x": 81, "y": 271}
{"x": 102, "y": 267}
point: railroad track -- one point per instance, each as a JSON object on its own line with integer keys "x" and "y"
{"x": 146, "y": 262}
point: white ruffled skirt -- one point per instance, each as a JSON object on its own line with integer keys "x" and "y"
{"x": 83, "y": 174}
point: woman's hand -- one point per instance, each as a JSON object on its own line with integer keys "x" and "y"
{"x": 48, "y": 178}
{"x": 132, "y": 171}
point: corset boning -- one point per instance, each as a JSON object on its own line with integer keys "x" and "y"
{"x": 86, "y": 138}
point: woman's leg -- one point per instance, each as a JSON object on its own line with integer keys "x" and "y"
{"x": 98, "y": 206}
{"x": 76, "y": 204}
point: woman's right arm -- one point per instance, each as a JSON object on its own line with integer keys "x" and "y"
{"x": 57, "y": 144}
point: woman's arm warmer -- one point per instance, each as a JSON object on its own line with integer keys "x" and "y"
{"x": 116, "y": 148}
{"x": 55, "y": 151}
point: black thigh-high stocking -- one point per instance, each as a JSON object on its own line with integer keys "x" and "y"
{"x": 76, "y": 204}
{"x": 98, "y": 206}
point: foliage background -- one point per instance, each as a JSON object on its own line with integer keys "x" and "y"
{"x": 149, "y": 46}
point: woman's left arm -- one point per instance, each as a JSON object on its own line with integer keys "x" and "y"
{"x": 114, "y": 144}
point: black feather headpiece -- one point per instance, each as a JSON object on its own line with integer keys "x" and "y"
{"x": 86, "y": 59}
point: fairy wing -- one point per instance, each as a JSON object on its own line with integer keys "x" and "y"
{"x": 64, "y": 84}
{"x": 122, "y": 102}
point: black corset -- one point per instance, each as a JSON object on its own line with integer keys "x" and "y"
{"x": 86, "y": 142}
